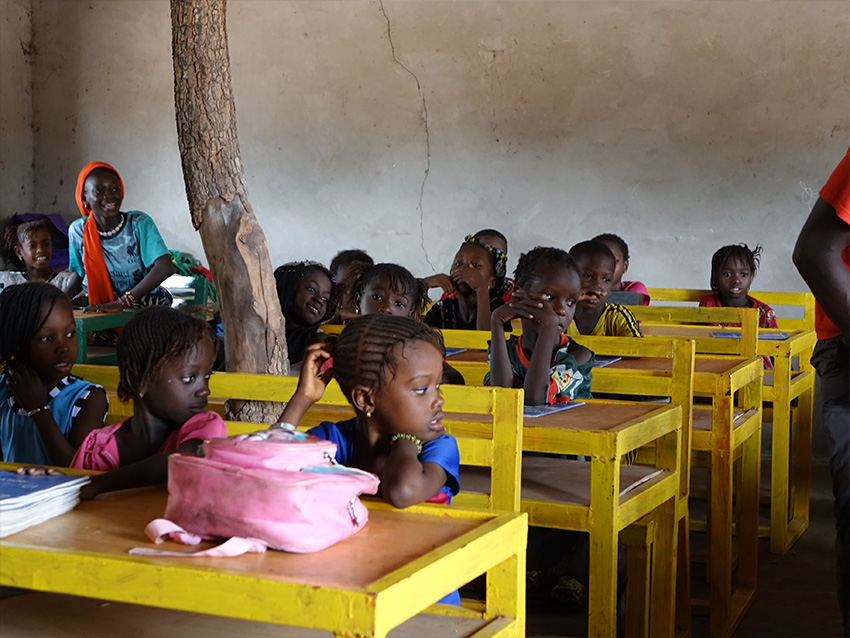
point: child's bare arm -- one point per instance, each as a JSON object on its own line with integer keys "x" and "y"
{"x": 440, "y": 280}
{"x": 405, "y": 481}
{"x": 501, "y": 375}
{"x": 89, "y": 417}
{"x": 537, "y": 377}
{"x": 32, "y": 396}
{"x": 311, "y": 386}
{"x": 150, "y": 471}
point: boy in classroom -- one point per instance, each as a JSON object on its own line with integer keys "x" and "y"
{"x": 620, "y": 248}
{"x": 593, "y": 316}
{"x": 120, "y": 256}
{"x": 32, "y": 245}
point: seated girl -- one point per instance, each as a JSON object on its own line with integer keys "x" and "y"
{"x": 733, "y": 268}
{"x": 550, "y": 366}
{"x": 620, "y": 248}
{"x": 391, "y": 289}
{"x": 732, "y": 271}
{"x": 473, "y": 278}
{"x": 498, "y": 243}
{"x": 389, "y": 369}
{"x": 345, "y": 267}
{"x": 165, "y": 358}
{"x": 45, "y": 412}
{"x": 308, "y": 297}
{"x": 120, "y": 256}
{"x": 32, "y": 244}
{"x": 593, "y": 316}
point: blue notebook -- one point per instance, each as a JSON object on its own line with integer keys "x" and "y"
{"x": 766, "y": 336}
{"x": 28, "y": 500}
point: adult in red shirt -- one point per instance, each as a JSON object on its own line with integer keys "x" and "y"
{"x": 822, "y": 255}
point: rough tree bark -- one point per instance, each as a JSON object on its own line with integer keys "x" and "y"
{"x": 233, "y": 241}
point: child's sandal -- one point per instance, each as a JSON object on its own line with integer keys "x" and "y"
{"x": 570, "y": 592}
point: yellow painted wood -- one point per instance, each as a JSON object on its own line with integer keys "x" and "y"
{"x": 495, "y": 443}
{"x": 84, "y": 553}
{"x": 803, "y": 302}
{"x": 790, "y": 472}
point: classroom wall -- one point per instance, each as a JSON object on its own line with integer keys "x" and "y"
{"x": 17, "y": 181}
{"x": 399, "y": 127}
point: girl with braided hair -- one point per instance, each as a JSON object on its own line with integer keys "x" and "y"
{"x": 45, "y": 413}
{"x": 308, "y": 297}
{"x": 389, "y": 369}
{"x": 165, "y": 359}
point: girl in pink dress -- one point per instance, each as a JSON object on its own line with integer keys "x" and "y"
{"x": 165, "y": 359}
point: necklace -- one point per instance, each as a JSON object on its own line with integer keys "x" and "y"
{"x": 111, "y": 233}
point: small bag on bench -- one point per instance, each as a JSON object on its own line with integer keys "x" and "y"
{"x": 277, "y": 488}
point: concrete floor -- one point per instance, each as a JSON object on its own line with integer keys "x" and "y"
{"x": 796, "y": 598}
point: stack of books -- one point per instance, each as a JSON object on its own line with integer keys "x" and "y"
{"x": 29, "y": 500}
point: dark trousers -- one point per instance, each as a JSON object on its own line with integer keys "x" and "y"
{"x": 831, "y": 358}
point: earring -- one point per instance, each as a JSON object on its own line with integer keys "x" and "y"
{"x": 368, "y": 414}
{"x": 141, "y": 395}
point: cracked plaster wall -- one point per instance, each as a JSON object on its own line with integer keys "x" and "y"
{"x": 399, "y": 127}
{"x": 16, "y": 132}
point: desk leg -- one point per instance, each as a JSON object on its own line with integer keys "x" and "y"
{"x": 82, "y": 343}
{"x": 803, "y": 459}
{"x": 664, "y": 571}
{"x": 506, "y": 591}
{"x": 780, "y": 457}
{"x": 720, "y": 521}
{"x": 604, "y": 534}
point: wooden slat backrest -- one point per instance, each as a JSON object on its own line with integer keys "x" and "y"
{"x": 746, "y": 346}
{"x": 678, "y": 384}
{"x": 802, "y": 302}
{"x": 487, "y": 422}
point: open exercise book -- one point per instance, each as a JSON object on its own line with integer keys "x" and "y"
{"x": 29, "y": 500}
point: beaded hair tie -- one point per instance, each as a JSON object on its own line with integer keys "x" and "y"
{"x": 499, "y": 255}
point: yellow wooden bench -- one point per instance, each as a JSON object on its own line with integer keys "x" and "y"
{"x": 799, "y": 303}
{"x": 790, "y": 470}
{"x": 485, "y": 421}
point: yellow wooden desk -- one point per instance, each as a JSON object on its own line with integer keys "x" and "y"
{"x": 89, "y": 322}
{"x": 721, "y": 434}
{"x": 400, "y": 563}
{"x": 603, "y": 497}
{"x": 574, "y": 494}
{"x": 790, "y": 465}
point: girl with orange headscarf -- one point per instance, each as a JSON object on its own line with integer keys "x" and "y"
{"x": 120, "y": 255}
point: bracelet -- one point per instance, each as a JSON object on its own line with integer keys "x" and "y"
{"x": 32, "y": 413}
{"x": 127, "y": 300}
{"x": 407, "y": 437}
{"x": 283, "y": 425}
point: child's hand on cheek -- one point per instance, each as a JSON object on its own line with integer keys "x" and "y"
{"x": 26, "y": 386}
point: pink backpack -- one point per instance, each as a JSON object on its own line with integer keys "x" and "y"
{"x": 274, "y": 488}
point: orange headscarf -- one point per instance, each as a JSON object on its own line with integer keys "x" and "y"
{"x": 99, "y": 284}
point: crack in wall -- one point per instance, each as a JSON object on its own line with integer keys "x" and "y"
{"x": 427, "y": 134}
